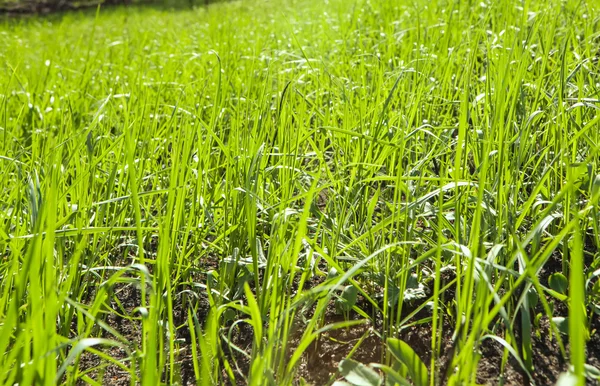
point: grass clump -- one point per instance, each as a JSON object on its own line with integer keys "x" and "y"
{"x": 238, "y": 193}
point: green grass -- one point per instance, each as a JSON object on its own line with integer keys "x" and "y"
{"x": 260, "y": 165}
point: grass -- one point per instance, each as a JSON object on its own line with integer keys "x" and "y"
{"x": 209, "y": 195}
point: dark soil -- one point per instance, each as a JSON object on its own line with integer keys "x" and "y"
{"x": 41, "y": 7}
{"x": 45, "y": 7}
{"x": 319, "y": 364}
{"x": 129, "y": 298}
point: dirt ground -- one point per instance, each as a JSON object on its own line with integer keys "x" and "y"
{"x": 319, "y": 364}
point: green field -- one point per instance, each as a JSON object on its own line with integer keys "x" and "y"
{"x": 295, "y": 192}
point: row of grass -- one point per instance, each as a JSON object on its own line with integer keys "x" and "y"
{"x": 256, "y": 162}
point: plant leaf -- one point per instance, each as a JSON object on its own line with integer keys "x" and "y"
{"x": 358, "y": 374}
{"x": 567, "y": 379}
{"x": 592, "y": 372}
{"x": 347, "y": 300}
{"x": 558, "y": 282}
{"x": 405, "y": 354}
{"x": 80, "y": 347}
{"x": 562, "y": 323}
{"x": 392, "y": 376}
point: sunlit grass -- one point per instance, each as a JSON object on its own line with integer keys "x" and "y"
{"x": 272, "y": 163}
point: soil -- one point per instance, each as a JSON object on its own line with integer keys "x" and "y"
{"x": 41, "y": 7}
{"x": 129, "y": 298}
{"x": 45, "y": 7}
{"x": 319, "y": 364}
